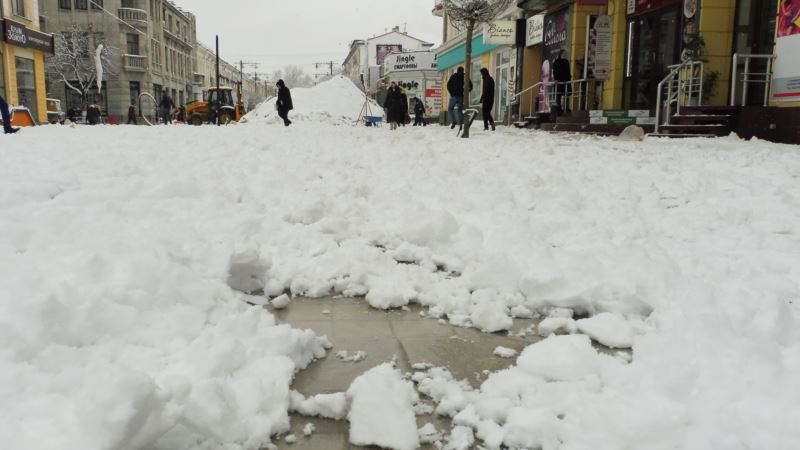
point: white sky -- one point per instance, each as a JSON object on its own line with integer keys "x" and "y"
{"x": 277, "y": 33}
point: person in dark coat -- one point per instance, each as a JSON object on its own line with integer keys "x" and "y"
{"x": 93, "y": 115}
{"x": 132, "y": 115}
{"x": 182, "y": 114}
{"x": 562, "y": 75}
{"x": 167, "y": 105}
{"x": 7, "y": 128}
{"x": 404, "y": 118}
{"x": 393, "y": 105}
{"x": 455, "y": 87}
{"x": 419, "y": 112}
{"x": 487, "y": 98}
{"x": 284, "y": 103}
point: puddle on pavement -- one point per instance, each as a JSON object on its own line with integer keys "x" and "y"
{"x": 352, "y": 325}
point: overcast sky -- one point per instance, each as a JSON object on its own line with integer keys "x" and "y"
{"x": 277, "y": 33}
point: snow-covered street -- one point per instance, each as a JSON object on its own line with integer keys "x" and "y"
{"x": 119, "y": 329}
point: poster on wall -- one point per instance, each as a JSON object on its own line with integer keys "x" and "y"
{"x": 500, "y": 32}
{"x": 556, "y": 38}
{"x": 598, "y": 47}
{"x": 384, "y": 50}
{"x": 433, "y": 98}
{"x": 786, "y": 78}
{"x": 690, "y": 32}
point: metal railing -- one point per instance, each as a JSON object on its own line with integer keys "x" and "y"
{"x": 683, "y": 86}
{"x": 764, "y": 78}
{"x": 574, "y": 93}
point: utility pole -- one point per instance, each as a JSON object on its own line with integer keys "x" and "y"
{"x": 325, "y": 63}
{"x": 242, "y": 64}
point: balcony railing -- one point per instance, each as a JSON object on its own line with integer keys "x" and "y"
{"x": 135, "y": 63}
{"x": 135, "y": 17}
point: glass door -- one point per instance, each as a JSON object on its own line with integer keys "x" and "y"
{"x": 754, "y": 34}
{"x": 653, "y": 46}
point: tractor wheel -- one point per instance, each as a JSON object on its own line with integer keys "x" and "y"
{"x": 197, "y": 120}
{"x": 225, "y": 117}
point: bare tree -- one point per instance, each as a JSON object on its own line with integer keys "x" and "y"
{"x": 466, "y": 14}
{"x": 78, "y": 56}
{"x": 293, "y": 76}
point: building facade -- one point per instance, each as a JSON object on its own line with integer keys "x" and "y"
{"x": 22, "y": 53}
{"x": 254, "y": 89}
{"x": 367, "y": 57}
{"x": 619, "y": 53}
{"x": 154, "y": 42}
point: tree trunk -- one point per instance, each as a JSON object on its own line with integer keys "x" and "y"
{"x": 467, "y": 75}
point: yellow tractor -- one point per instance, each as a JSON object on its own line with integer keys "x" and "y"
{"x": 216, "y": 104}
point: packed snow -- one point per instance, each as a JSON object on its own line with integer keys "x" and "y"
{"x": 126, "y": 252}
{"x": 382, "y": 410}
{"x": 337, "y": 101}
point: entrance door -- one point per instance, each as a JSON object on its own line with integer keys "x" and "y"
{"x": 754, "y": 34}
{"x": 653, "y": 46}
{"x": 502, "y": 76}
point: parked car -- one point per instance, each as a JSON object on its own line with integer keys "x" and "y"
{"x": 54, "y": 113}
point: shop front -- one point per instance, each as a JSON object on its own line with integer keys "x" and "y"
{"x": 416, "y": 73}
{"x": 22, "y": 56}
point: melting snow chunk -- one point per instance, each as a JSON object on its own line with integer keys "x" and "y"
{"x": 382, "y": 410}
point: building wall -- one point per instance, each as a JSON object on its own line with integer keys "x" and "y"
{"x": 716, "y": 26}
{"x": 10, "y": 52}
{"x": 613, "y": 87}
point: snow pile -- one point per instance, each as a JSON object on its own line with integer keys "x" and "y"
{"x": 382, "y": 410}
{"x": 329, "y": 406}
{"x": 117, "y": 324}
{"x": 337, "y": 101}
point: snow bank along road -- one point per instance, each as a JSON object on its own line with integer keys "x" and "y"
{"x": 118, "y": 329}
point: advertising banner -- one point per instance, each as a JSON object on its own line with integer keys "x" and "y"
{"x": 786, "y": 78}
{"x": 383, "y": 50}
{"x": 500, "y": 32}
{"x": 598, "y": 51}
{"x": 556, "y": 38}
{"x": 433, "y": 98}
{"x": 535, "y": 31}
{"x": 410, "y": 61}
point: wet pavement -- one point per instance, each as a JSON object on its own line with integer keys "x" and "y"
{"x": 353, "y": 326}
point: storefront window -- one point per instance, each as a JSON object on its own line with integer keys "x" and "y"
{"x": 26, "y": 85}
{"x": 475, "y": 76}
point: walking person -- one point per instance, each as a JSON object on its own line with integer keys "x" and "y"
{"x": 487, "y": 98}
{"x": 7, "y": 128}
{"x": 455, "y": 87}
{"x": 167, "y": 105}
{"x": 393, "y": 105}
{"x": 419, "y": 112}
{"x": 132, "y": 115}
{"x": 562, "y": 76}
{"x": 284, "y": 103}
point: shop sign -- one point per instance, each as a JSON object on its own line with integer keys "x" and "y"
{"x": 433, "y": 97}
{"x": 19, "y": 35}
{"x": 599, "y": 47}
{"x": 500, "y": 32}
{"x": 636, "y": 7}
{"x": 535, "y": 33}
{"x": 786, "y": 78}
{"x": 410, "y": 61}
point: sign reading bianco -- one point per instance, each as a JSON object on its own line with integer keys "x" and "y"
{"x": 500, "y": 32}
{"x": 535, "y": 33}
{"x": 410, "y": 61}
